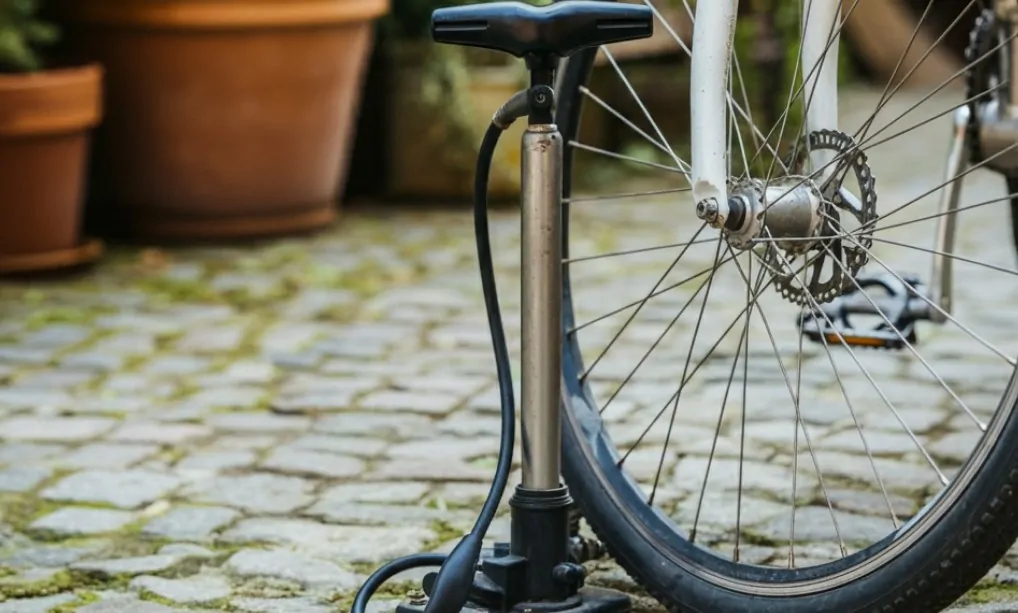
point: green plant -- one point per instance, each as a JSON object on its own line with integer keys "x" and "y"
{"x": 411, "y": 19}
{"x": 444, "y": 71}
{"x": 22, "y": 34}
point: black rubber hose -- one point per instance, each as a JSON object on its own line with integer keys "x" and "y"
{"x": 452, "y": 586}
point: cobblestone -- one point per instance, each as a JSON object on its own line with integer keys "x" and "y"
{"x": 129, "y": 566}
{"x": 55, "y": 428}
{"x": 280, "y": 605}
{"x": 307, "y": 571}
{"x": 78, "y": 521}
{"x": 192, "y": 590}
{"x": 256, "y": 492}
{"x": 42, "y": 604}
{"x": 317, "y": 406}
{"x": 190, "y": 523}
{"x": 127, "y": 489}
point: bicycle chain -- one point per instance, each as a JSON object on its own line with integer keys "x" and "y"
{"x": 977, "y": 77}
{"x": 852, "y": 256}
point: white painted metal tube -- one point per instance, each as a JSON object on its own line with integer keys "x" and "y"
{"x": 713, "y": 33}
{"x": 820, "y": 23}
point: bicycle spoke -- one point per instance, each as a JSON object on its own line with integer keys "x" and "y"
{"x": 658, "y": 340}
{"x": 805, "y": 433}
{"x": 655, "y": 192}
{"x": 946, "y": 254}
{"x": 663, "y": 147}
{"x": 742, "y": 427}
{"x": 637, "y": 303}
{"x": 876, "y": 388}
{"x": 685, "y": 369}
{"x": 627, "y": 158}
{"x": 859, "y": 429}
{"x": 732, "y": 104}
{"x": 929, "y": 51}
{"x": 640, "y": 306}
{"x": 704, "y": 359}
{"x": 721, "y": 417}
{"x": 925, "y": 299}
{"x": 867, "y": 144}
{"x": 901, "y": 337}
{"x": 636, "y": 98}
{"x": 1006, "y": 198}
{"x": 614, "y": 254}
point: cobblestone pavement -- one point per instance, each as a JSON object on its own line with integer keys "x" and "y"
{"x": 256, "y": 428}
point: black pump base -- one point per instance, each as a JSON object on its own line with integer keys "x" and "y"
{"x": 538, "y": 572}
{"x": 588, "y": 600}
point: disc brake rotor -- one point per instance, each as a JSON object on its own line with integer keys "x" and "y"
{"x": 830, "y": 264}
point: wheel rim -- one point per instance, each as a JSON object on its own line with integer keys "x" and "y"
{"x": 585, "y": 406}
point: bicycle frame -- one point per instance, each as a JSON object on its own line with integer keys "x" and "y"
{"x": 711, "y": 101}
{"x": 999, "y": 133}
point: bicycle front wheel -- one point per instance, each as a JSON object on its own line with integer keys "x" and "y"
{"x": 768, "y": 420}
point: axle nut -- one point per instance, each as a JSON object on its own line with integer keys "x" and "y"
{"x": 707, "y": 210}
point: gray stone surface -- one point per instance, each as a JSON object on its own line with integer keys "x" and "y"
{"x": 55, "y": 428}
{"x": 129, "y": 566}
{"x": 299, "y": 461}
{"x": 192, "y": 590}
{"x": 130, "y": 605}
{"x": 35, "y": 605}
{"x": 22, "y": 479}
{"x": 280, "y": 605}
{"x": 281, "y": 564}
{"x": 253, "y": 427}
{"x": 106, "y": 455}
{"x": 126, "y": 489}
{"x": 256, "y": 492}
{"x": 77, "y": 521}
{"x": 190, "y": 523}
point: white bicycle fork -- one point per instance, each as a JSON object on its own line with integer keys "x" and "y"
{"x": 711, "y": 101}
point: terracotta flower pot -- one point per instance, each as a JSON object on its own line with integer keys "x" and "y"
{"x": 226, "y": 118}
{"x": 46, "y": 119}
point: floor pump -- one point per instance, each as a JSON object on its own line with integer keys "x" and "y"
{"x": 534, "y": 572}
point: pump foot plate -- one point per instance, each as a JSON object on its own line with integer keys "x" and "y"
{"x": 591, "y": 600}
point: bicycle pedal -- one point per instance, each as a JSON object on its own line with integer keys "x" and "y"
{"x": 898, "y": 307}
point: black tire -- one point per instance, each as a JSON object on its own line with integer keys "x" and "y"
{"x": 948, "y": 556}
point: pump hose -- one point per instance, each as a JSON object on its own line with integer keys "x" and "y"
{"x": 455, "y": 578}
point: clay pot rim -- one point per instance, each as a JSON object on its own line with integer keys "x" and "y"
{"x": 221, "y": 14}
{"x": 73, "y": 100}
{"x": 53, "y": 76}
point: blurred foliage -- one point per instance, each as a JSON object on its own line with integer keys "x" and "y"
{"x": 22, "y": 35}
{"x": 445, "y": 70}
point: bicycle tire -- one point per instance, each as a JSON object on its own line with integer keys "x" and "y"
{"x": 947, "y": 560}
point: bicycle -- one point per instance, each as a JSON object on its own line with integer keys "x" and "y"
{"x": 800, "y": 227}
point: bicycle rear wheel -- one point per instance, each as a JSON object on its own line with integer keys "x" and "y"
{"x": 732, "y": 462}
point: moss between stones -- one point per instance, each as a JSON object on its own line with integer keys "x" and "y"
{"x": 61, "y": 581}
{"x": 20, "y": 510}
{"x": 59, "y": 315}
{"x": 444, "y": 532}
{"x": 988, "y": 591}
{"x": 163, "y": 289}
{"x": 388, "y": 591}
{"x": 83, "y": 598}
{"x": 221, "y": 604}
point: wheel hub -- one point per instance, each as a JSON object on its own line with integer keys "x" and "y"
{"x": 786, "y": 210}
{"x": 799, "y": 217}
